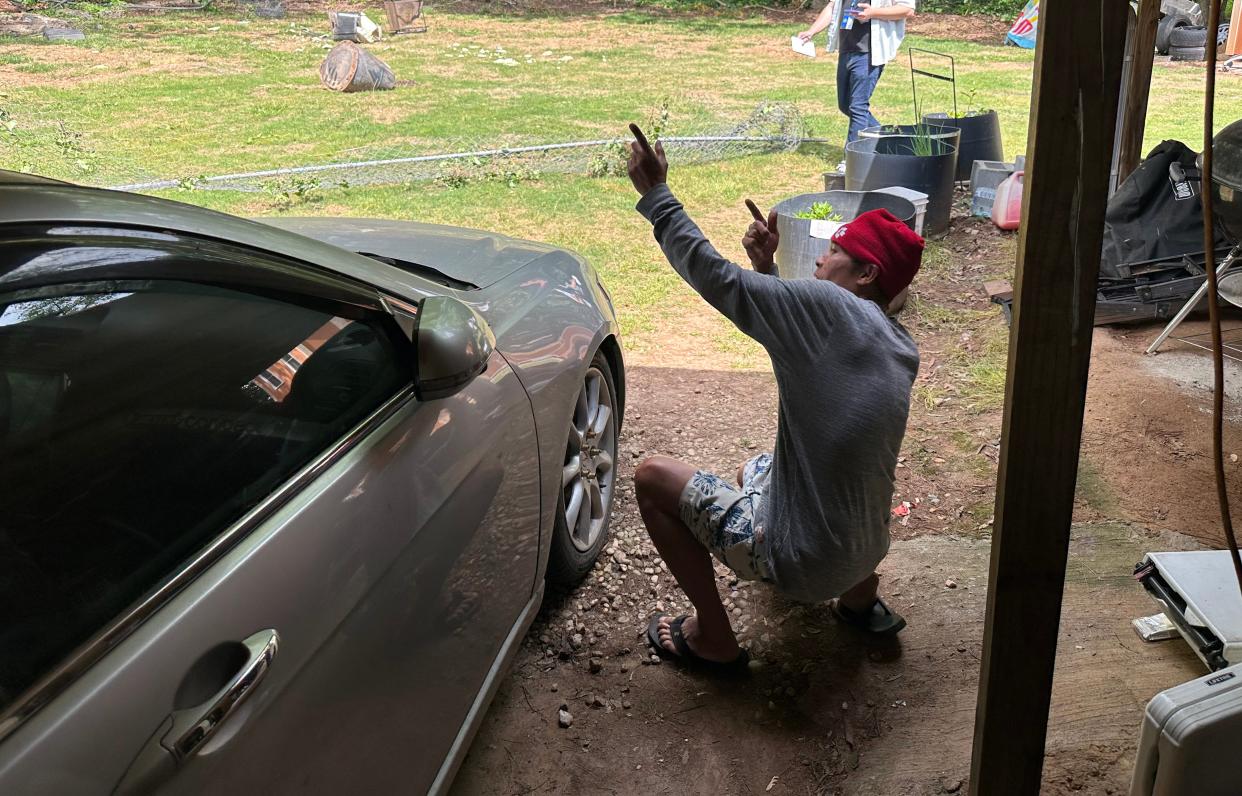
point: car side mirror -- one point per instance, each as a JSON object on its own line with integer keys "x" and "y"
{"x": 452, "y": 345}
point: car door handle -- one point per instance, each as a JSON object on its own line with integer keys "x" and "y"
{"x": 184, "y": 732}
{"x": 193, "y": 727}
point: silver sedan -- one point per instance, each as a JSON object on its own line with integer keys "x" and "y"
{"x": 280, "y": 499}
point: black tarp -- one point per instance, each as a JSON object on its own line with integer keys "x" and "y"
{"x": 1156, "y": 213}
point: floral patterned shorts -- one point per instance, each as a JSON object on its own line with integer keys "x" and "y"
{"x": 722, "y": 517}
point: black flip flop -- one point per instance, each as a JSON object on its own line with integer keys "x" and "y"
{"x": 879, "y": 620}
{"x": 684, "y": 654}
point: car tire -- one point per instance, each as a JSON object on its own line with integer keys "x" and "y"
{"x": 587, "y": 478}
{"x": 1187, "y": 36}
{"x": 1187, "y": 53}
{"x": 1170, "y": 23}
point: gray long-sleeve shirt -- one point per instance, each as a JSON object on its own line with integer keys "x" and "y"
{"x": 844, "y": 371}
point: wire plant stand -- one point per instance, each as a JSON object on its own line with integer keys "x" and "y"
{"x": 1230, "y": 342}
{"x": 950, "y": 78}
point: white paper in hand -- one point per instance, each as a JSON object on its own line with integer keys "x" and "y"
{"x": 801, "y": 47}
{"x": 824, "y": 229}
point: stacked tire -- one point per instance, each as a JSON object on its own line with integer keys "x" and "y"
{"x": 1188, "y": 43}
{"x": 1179, "y": 39}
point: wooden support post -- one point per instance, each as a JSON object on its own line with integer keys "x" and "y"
{"x": 1078, "y": 64}
{"x": 1235, "y": 30}
{"x": 1137, "y": 89}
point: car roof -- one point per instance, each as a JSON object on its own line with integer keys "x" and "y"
{"x": 26, "y": 199}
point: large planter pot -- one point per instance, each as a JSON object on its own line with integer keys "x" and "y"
{"x": 944, "y": 135}
{"x": 981, "y": 138}
{"x": 804, "y": 240}
{"x": 872, "y": 163}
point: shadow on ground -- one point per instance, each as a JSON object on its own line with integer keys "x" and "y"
{"x": 824, "y": 711}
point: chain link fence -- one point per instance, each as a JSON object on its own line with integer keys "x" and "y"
{"x": 770, "y": 127}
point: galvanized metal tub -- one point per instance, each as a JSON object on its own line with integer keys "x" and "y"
{"x": 804, "y": 240}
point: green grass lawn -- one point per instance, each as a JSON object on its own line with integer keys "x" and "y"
{"x": 175, "y": 97}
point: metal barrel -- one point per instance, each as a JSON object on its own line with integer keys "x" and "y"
{"x": 798, "y": 250}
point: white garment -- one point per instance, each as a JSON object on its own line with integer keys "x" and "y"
{"x": 886, "y": 34}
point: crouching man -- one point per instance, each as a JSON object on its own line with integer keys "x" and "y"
{"x": 812, "y": 517}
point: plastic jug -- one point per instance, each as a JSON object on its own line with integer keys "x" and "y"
{"x": 1007, "y": 208}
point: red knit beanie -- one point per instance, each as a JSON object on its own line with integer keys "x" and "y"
{"x": 878, "y": 237}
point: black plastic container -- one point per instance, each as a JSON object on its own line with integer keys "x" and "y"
{"x": 981, "y": 138}
{"x": 937, "y": 132}
{"x": 872, "y": 163}
{"x": 795, "y": 258}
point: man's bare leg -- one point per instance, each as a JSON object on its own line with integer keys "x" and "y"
{"x": 659, "y": 482}
{"x": 860, "y": 597}
{"x": 861, "y": 607}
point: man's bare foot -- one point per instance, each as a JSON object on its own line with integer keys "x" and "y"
{"x": 722, "y": 649}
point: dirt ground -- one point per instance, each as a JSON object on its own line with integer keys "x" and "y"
{"x": 826, "y": 711}
{"x": 983, "y": 30}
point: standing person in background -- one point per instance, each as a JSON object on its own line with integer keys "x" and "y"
{"x": 867, "y": 36}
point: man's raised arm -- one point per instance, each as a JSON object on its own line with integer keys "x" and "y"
{"x": 761, "y": 306}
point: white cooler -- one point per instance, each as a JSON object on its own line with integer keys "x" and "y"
{"x": 1191, "y": 742}
{"x": 1192, "y": 739}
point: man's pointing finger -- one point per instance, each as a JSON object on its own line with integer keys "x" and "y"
{"x": 640, "y": 138}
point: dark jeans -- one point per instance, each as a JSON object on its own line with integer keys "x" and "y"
{"x": 856, "y": 79}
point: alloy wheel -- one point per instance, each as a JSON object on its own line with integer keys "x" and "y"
{"x": 587, "y": 475}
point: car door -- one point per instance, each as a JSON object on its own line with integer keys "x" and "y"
{"x": 237, "y": 551}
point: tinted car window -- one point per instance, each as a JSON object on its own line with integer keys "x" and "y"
{"x": 137, "y": 422}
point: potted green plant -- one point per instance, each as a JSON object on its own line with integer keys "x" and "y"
{"x": 922, "y": 131}
{"x": 806, "y": 223}
{"x": 923, "y": 160}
